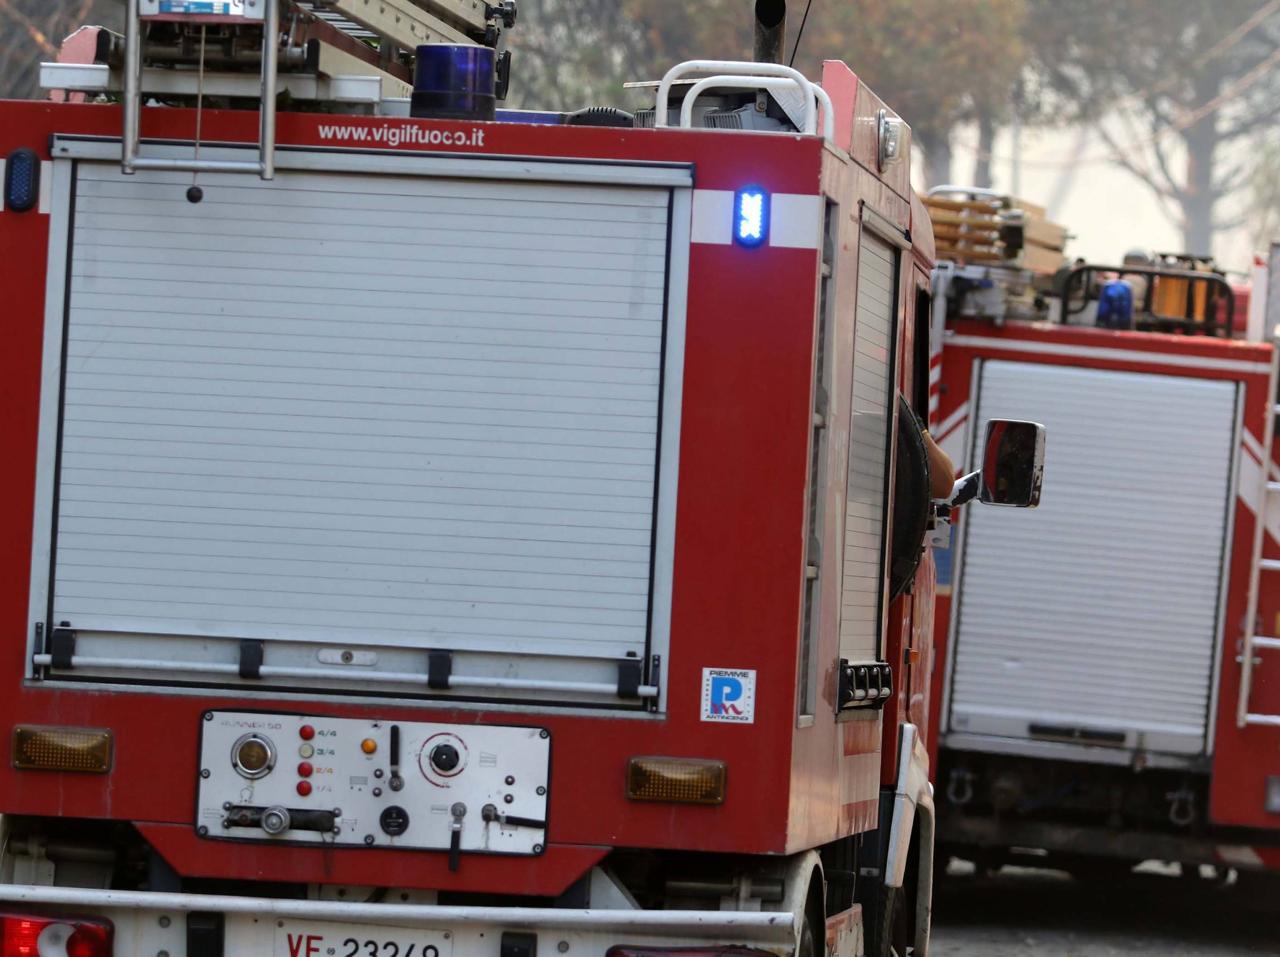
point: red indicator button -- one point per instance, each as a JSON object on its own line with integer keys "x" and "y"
{"x": 306, "y": 732}
{"x": 305, "y": 769}
{"x": 304, "y": 788}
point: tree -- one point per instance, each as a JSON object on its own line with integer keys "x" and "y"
{"x": 1191, "y": 78}
{"x": 1263, "y": 193}
{"x": 31, "y": 30}
{"x": 572, "y": 53}
{"x": 936, "y": 62}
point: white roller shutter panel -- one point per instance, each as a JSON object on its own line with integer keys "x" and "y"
{"x": 403, "y": 411}
{"x": 863, "y": 570}
{"x": 1099, "y": 610}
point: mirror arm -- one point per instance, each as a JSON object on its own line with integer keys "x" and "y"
{"x": 965, "y": 489}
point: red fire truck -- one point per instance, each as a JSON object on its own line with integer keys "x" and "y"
{"x": 1110, "y": 667}
{"x": 431, "y": 537}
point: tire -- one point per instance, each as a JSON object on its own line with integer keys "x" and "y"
{"x": 808, "y": 946}
{"x": 889, "y": 934}
{"x": 911, "y": 501}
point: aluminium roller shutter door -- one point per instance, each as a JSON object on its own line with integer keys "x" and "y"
{"x": 864, "y": 531}
{"x": 1099, "y": 610}
{"x": 406, "y": 411}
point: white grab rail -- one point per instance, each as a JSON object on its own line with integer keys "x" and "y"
{"x": 744, "y": 74}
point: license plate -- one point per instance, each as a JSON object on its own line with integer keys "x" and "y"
{"x": 331, "y": 939}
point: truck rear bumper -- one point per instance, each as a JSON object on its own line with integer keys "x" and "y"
{"x": 147, "y": 922}
{"x": 971, "y": 831}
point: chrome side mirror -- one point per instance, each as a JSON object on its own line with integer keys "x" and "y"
{"x": 1012, "y": 467}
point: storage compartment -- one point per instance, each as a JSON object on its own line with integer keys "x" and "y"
{"x": 1094, "y": 619}
{"x": 350, "y": 419}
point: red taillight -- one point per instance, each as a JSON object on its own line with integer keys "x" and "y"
{"x": 30, "y": 935}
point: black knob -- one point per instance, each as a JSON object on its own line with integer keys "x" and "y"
{"x": 444, "y": 758}
{"x": 394, "y": 820}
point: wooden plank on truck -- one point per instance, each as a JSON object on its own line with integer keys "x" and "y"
{"x": 960, "y": 205}
{"x": 1041, "y": 260}
{"x": 943, "y": 231}
{"x": 961, "y": 219}
{"x": 1041, "y": 232}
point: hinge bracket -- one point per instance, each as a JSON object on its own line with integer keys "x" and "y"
{"x": 655, "y": 678}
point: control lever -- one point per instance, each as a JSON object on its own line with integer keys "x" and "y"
{"x": 459, "y": 811}
{"x": 277, "y": 819}
{"x": 396, "y": 782}
{"x": 490, "y": 813}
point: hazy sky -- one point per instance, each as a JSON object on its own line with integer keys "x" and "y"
{"x": 1107, "y": 209}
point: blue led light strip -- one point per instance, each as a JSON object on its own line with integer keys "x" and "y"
{"x": 750, "y": 216}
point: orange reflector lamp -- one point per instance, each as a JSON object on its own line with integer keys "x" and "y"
{"x": 368, "y": 745}
{"x": 62, "y": 749}
{"x": 678, "y": 780}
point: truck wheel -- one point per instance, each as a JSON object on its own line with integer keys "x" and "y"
{"x": 910, "y": 501}
{"x": 807, "y": 947}
{"x": 890, "y": 933}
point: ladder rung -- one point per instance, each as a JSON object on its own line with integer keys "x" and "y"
{"x": 1270, "y": 564}
{"x": 1268, "y": 719}
{"x": 401, "y": 21}
{"x": 1260, "y": 641}
{"x": 1273, "y": 487}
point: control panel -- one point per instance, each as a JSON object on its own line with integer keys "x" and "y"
{"x": 349, "y": 782}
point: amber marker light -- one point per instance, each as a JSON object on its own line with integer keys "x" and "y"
{"x": 677, "y": 780}
{"x": 88, "y": 750}
{"x": 368, "y": 745}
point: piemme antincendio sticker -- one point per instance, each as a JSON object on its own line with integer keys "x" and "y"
{"x": 728, "y": 695}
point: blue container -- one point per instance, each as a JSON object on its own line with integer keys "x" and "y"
{"x": 454, "y": 81}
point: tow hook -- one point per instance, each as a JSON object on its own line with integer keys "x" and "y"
{"x": 960, "y": 786}
{"x": 1182, "y": 806}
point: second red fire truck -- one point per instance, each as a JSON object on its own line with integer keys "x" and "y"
{"x": 1109, "y": 667}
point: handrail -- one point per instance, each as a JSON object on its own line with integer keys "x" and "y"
{"x": 739, "y": 70}
{"x": 1077, "y": 279}
{"x": 759, "y": 83}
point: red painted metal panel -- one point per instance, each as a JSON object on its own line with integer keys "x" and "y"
{"x": 739, "y": 539}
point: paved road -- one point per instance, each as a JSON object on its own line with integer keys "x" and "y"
{"x": 1021, "y": 912}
